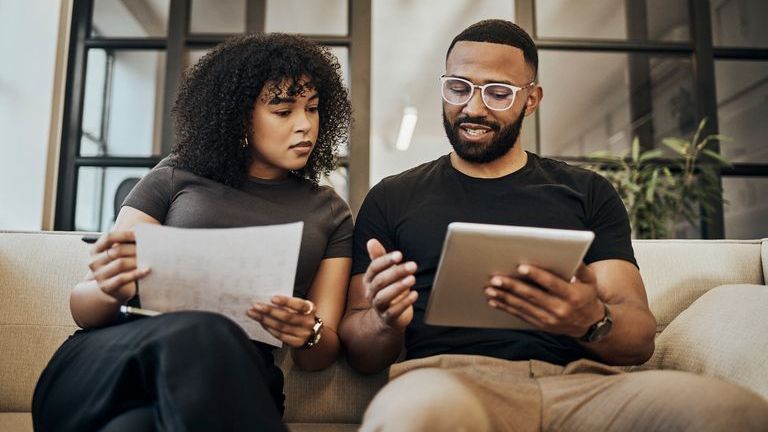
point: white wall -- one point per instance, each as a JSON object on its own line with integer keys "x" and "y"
{"x": 28, "y": 39}
{"x": 408, "y": 44}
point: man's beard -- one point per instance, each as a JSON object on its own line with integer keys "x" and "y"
{"x": 502, "y": 142}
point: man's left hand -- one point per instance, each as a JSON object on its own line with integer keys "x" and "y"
{"x": 553, "y": 304}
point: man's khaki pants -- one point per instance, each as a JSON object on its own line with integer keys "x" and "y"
{"x": 477, "y": 393}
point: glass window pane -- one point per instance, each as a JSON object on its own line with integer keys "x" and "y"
{"x": 742, "y": 107}
{"x": 600, "y": 101}
{"x": 123, "y": 103}
{"x": 339, "y": 181}
{"x": 318, "y": 17}
{"x": 193, "y": 56}
{"x": 739, "y": 23}
{"x": 94, "y": 103}
{"x": 684, "y": 230}
{"x": 121, "y": 18}
{"x": 673, "y": 99}
{"x": 342, "y": 54}
{"x": 100, "y": 192}
{"x": 638, "y": 20}
{"x": 746, "y": 213}
{"x": 218, "y": 16}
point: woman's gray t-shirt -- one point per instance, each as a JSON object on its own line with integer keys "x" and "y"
{"x": 182, "y": 199}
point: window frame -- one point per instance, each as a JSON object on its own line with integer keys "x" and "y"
{"x": 702, "y": 53}
{"x": 177, "y": 42}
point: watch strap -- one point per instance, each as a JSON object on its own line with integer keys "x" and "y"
{"x": 599, "y": 329}
{"x": 317, "y": 333}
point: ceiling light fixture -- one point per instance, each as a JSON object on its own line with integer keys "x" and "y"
{"x": 407, "y": 126}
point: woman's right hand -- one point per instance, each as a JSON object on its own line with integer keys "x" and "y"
{"x": 113, "y": 264}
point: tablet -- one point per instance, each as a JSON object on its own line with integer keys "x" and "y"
{"x": 473, "y": 252}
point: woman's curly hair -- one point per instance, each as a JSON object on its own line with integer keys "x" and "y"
{"x": 216, "y": 97}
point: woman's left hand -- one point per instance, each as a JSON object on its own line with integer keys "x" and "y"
{"x": 289, "y": 319}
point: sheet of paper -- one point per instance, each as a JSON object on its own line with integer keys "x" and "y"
{"x": 218, "y": 270}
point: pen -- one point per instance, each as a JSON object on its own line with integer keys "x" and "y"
{"x": 92, "y": 238}
{"x": 130, "y": 310}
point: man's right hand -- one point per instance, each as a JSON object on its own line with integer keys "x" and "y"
{"x": 113, "y": 264}
{"x": 388, "y": 286}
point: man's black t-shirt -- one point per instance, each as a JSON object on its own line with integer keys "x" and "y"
{"x": 411, "y": 211}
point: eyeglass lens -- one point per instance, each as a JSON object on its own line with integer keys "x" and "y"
{"x": 458, "y": 92}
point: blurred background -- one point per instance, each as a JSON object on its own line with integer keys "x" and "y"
{"x": 86, "y": 88}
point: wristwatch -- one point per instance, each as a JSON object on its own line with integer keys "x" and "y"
{"x": 317, "y": 331}
{"x": 599, "y": 329}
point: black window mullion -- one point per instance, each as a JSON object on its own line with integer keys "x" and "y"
{"x": 211, "y": 40}
{"x": 178, "y": 29}
{"x": 126, "y": 43}
{"x": 255, "y": 16}
{"x": 732, "y": 53}
{"x": 116, "y": 161}
{"x": 359, "y": 12}
{"x": 64, "y": 218}
{"x": 614, "y": 46}
{"x": 639, "y": 68}
{"x": 525, "y": 14}
{"x": 712, "y": 222}
{"x": 746, "y": 170}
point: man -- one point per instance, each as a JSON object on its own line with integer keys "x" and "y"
{"x": 555, "y": 378}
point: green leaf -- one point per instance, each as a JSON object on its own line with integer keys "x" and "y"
{"x": 650, "y": 154}
{"x": 678, "y": 145}
{"x": 635, "y": 149}
{"x": 601, "y": 154}
{"x": 713, "y": 137}
{"x": 698, "y": 130}
{"x": 717, "y": 157}
{"x": 649, "y": 193}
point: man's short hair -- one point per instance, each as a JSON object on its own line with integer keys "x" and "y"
{"x": 500, "y": 32}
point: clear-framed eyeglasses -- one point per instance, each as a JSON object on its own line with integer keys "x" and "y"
{"x": 496, "y": 96}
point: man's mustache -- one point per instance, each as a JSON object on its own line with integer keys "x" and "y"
{"x": 476, "y": 120}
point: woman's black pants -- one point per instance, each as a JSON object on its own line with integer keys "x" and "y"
{"x": 183, "y": 371}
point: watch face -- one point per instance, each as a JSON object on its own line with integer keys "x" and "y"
{"x": 601, "y": 329}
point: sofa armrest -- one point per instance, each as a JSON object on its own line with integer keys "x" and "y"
{"x": 724, "y": 333}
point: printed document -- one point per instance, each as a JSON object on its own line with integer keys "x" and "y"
{"x": 218, "y": 270}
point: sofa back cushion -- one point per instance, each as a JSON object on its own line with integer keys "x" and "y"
{"x": 677, "y": 272}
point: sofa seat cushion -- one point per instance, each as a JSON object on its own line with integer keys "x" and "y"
{"x": 22, "y": 422}
{"x": 323, "y": 427}
{"x": 337, "y": 395}
{"x": 706, "y": 337}
{"x": 15, "y": 422}
{"x": 25, "y": 350}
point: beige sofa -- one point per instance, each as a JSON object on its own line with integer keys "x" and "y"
{"x": 722, "y": 332}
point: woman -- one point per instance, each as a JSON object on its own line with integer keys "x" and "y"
{"x": 257, "y": 122}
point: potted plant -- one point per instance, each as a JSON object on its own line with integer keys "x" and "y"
{"x": 659, "y": 191}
